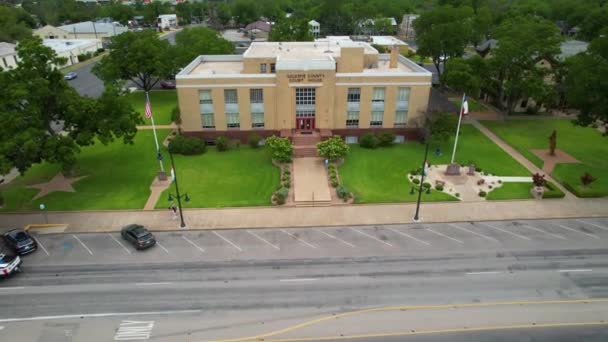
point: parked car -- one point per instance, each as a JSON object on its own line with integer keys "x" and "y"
{"x": 70, "y": 76}
{"x": 167, "y": 84}
{"x": 138, "y": 236}
{"x": 9, "y": 264}
{"x": 20, "y": 241}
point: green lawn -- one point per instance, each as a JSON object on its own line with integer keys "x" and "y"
{"x": 379, "y": 176}
{"x": 583, "y": 143}
{"x": 162, "y": 101}
{"x": 511, "y": 191}
{"x": 236, "y": 178}
{"x": 118, "y": 177}
{"x": 474, "y": 106}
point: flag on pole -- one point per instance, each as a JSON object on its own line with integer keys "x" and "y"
{"x": 148, "y": 109}
{"x": 464, "y": 109}
{"x": 172, "y": 174}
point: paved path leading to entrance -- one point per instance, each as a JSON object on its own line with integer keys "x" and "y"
{"x": 310, "y": 180}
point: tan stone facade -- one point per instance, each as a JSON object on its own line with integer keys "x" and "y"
{"x": 325, "y": 85}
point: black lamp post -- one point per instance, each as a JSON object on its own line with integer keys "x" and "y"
{"x": 426, "y": 153}
{"x": 177, "y": 195}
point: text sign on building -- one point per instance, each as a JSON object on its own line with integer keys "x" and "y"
{"x": 300, "y": 78}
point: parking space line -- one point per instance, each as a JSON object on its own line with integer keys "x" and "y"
{"x": 505, "y": 231}
{"x": 575, "y": 270}
{"x": 230, "y": 242}
{"x": 42, "y": 246}
{"x": 163, "y": 247}
{"x": 575, "y": 230}
{"x": 372, "y": 237}
{"x": 297, "y": 238}
{"x": 336, "y": 238}
{"x": 193, "y": 244}
{"x": 542, "y": 231}
{"x": 486, "y": 272}
{"x": 118, "y": 242}
{"x": 445, "y": 236}
{"x": 154, "y": 284}
{"x": 82, "y": 243}
{"x": 592, "y": 224}
{"x": 472, "y": 232}
{"x": 408, "y": 235}
{"x": 263, "y": 240}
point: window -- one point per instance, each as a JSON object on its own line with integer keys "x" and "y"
{"x": 263, "y": 68}
{"x": 354, "y": 95}
{"x": 403, "y": 98}
{"x": 305, "y": 102}
{"x": 272, "y": 68}
{"x": 207, "y": 119}
{"x": 256, "y": 96}
{"x": 230, "y": 96}
{"x": 400, "y": 118}
{"x": 351, "y": 140}
{"x": 205, "y": 97}
{"x": 376, "y": 119}
{"x": 352, "y": 119}
{"x": 232, "y": 120}
{"x": 378, "y": 95}
{"x": 257, "y": 120}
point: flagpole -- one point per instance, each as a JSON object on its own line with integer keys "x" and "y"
{"x": 460, "y": 114}
{"x": 160, "y": 161}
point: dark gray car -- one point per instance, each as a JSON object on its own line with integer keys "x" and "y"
{"x": 138, "y": 236}
{"x": 20, "y": 241}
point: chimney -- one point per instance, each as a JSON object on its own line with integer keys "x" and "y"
{"x": 394, "y": 56}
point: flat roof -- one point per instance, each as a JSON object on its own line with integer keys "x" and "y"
{"x": 211, "y": 68}
{"x": 319, "y": 49}
{"x": 7, "y": 49}
{"x": 61, "y": 45}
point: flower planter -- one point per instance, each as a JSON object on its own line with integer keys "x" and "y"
{"x": 537, "y": 192}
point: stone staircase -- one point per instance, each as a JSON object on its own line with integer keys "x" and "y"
{"x": 305, "y": 144}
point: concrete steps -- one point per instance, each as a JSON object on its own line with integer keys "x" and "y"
{"x": 312, "y": 203}
{"x": 306, "y": 140}
{"x": 305, "y": 151}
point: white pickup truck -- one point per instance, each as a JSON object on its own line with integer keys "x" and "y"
{"x": 9, "y": 264}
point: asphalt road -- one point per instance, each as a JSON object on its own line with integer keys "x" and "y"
{"x": 215, "y": 285}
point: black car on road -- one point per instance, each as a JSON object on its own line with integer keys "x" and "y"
{"x": 138, "y": 236}
{"x": 20, "y": 241}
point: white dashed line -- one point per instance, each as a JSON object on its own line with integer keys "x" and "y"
{"x": 487, "y": 272}
{"x": 592, "y": 224}
{"x": 300, "y": 240}
{"x": 575, "y": 230}
{"x": 82, "y": 243}
{"x": 372, "y": 237}
{"x": 193, "y": 244}
{"x": 336, "y": 238}
{"x": 576, "y": 270}
{"x": 107, "y": 314}
{"x": 408, "y": 235}
{"x": 228, "y": 241}
{"x": 163, "y": 247}
{"x": 542, "y": 231}
{"x": 1, "y": 327}
{"x": 472, "y": 232}
{"x": 264, "y": 240}
{"x": 299, "y": 279}
{"x": 118, "y": 242}
{"x": 505, "y": 231}
{"x": 42, "y": 246}
{"x": 154, "y": 284}
{"x": 445, "y": 236}
{"x": 12, "y": 288}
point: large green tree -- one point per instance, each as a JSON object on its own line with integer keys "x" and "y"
{"x": 15, "y": 24}
{"x": 290, "y": 30}
{"x": 140, "y": 57}
{"x": 245, "y": 11}
{"x": 44, "y": 118}
{"x": 195, "y": 41}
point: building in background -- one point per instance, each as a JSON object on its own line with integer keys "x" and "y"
{"x": 406, "y": 29}
{"x": 70, "y": 49}
{"x": 315, "y": 28}
{"x": 92, "y": 30}
{"x": 8, "y": 56}
{"x": 258, "y": 29}
{"x": 52, "y": 32}
{"x": 167, "y": 21}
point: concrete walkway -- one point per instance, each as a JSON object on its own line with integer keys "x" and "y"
{"x": 310, "y": 181}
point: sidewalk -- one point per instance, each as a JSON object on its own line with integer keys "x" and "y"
{"x": 266, "y": 217}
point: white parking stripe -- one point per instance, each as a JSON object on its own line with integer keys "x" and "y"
{"x": 336, "y": 238}
{"x": 118, "y": 242}
{"x": 300, "y": 240}
{"x": 408, "y": 235}
{"x": 298, "y": 279}
{"x": 230, "y": 242}
{"x": 264, "y": 240}
{"x": 42, "y": 246}
{"x": 193, "y": 244}
{"x": 576, "y": 270}
{"x": 487, "y": 272}
{"x": 505, "y": 231}
{"x": 542, "y": 231}
{"x": 153, "y": 284}
{"x": 372, "y": 237}
{"x": 472, "y": 232}
{"x": 575, "y": 230}
{"x": 82, "y": 243}
{"x": 12, "y": 288}
{"x": 163, "y": 247}
{"x": 592, "y": 224}
{"x": 445, "y": 236}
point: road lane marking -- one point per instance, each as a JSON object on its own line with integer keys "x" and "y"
{"x": 12, "y": 288}
{"x": 42, "y": 246}
{"x": 336, "y": 238}
{"x": 163, "y": 247}
{"x": 263, "y": 240}
{"x": 230, "y": 242}
{"x": 505, "y": 231}
{"x": 576, "y": 270}
{"x": 1, "y": 327}
{"x": 592, "y": 224}
{"x": 542, "y": 231}
{"x": 134, "y": 330}
{"x": 299, "y": 279}
{"x": 372, "y": 237}
{"x": 575, "y": 230}
{"x": 408, "y": 235}
{"x": 154, "y": 284}
{"x": 472, "y": 232}
{"x": 82, "y": 243}
{"x": 193, "y": 244}
{"x": 120, "y": 244}
{"x": 297, "y": 238}
{"x": 486, "y": 272}
{"x": 445, "y": 236}
{"x": 98, "y": 315}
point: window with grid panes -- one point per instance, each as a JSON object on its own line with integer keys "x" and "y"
{"x": 376, "y": 119}
{"x": 272, "y": 68}
{"x": 232, "y": 120}
{"x": 257, "y": 120}
{"x": 400, "y": 118}
{"x": 263, "y": 68}
{"x": 305, "y": 102}
{"x": 208, "y": 121}
{"x": 205, "y": 97}
{"x": 352, "y": 119}
{"x": 378, "y": 95}
{"x": 230, "y": 96}
{"x": 354, "y": 95}
{"x": 256, "y": 96}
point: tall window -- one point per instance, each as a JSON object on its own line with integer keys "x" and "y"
{"x": 256, "y": 100}
{"x": 231, "y": 108}
{"x": 400, "y": 118}
{"x": 205, "y": 97}
{"x": 206, "y": 108}
{"x": 352, "y": 119}
{"x": 354, "y": 95}
{"x": 403, "y": 99}
{"x": 232, "y": 120}
{"x": 378, "y": 95}
{"x": 305, "y": 102}
{"x": 273, "y": 68}
{"x": 256, "y": 96}
{"x": 376, "y": 119}
{"x": 230, "y": 96}
{"x": 263, "y": 68}
{"x": 257, "y": 120}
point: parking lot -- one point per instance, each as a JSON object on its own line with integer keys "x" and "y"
{"x": 322, "y": 242}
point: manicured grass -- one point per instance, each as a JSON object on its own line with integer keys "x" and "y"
{"x": 236, "y": 178}
{"x": 118, "y": 177}
{"x": 162, "y": 101}
{"x": 511, "y": 191}
{"x": 583, "y": 143}
{"x": 474, "y": 106}
{"x": 379, "y": 176}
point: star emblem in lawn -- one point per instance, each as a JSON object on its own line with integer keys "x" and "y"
{"x": 58, "y": 183}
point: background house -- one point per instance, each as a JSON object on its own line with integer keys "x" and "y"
{"x": 70, "y": 49}
{"x": 52, "y": 32}
{"x": 315, "y": 28}
{"x": 406, "y": 29}
{"x": 258, "y": 29}
{"x": 167, "y": 21}
{"x": 8, "y": 56}
{"x": 92, "y": 30}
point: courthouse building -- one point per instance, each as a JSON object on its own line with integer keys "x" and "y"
{"x": 330, "y": 86}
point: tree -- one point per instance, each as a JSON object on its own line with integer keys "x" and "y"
{"x": 461, "y": 77}
{"x": 383, "y": 26}
{"x": 282, "y": 149}
{"x": 443, "y": 33}
{"x": 441, "y": 126}
{"x": 245, "y": 11}
{"x": 290, "y": 30}
{"x": 195, "y": 41}
{"x": 44, "y": 118}
{"x": 335, "y": 17}
{"x": 332, "y": 148}
{"x": 118, "y": 12}
{"x": 15, "y": 24}
{"x": 594, "y": 22}
{"x": 154, "y": 9}
{"x": 140, "y": 57}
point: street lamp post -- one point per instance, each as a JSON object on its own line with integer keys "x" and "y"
{"x": 426, "y": 153}
{"x": 177, "y": 195}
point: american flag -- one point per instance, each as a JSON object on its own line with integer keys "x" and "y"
{"x": 148, "y": 110}
{"x": 464, "y": 109}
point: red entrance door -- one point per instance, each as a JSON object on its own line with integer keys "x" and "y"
{"x": 305, "y": 123}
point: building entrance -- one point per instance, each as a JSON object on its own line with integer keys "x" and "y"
{"x": 305, "y": 108}
{"x": 305, "y": 124}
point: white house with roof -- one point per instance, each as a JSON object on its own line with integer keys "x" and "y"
{"x": 71, "y": 48}
{"x": 407, "y": 26}
{"x": 93, "y": 30}
{"x": 8, "y": 56}
{"x": 315, "y": 28}
{"x": 167, "y": 21}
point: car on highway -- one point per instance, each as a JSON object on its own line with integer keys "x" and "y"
{"x": 138, "y": 236}
{"x": 70, "y": 76}
{"x": 20, "y": 241}
{"x": 167, "y": 84}
{"x": 9, "y": 264}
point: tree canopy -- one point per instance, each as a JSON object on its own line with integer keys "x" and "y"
{"x": 290, "y": 30}
{"x": 15, "y": 24}
{"x": 195, "y": 41}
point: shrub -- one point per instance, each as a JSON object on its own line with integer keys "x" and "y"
{"x": 254, "y": 140}
{"x": 538, "y": 179}
{"x": 332, "y": 148}
{"x": 282, "y": 149}
{"x": 83, "y": 57}
{"x": 331, "y": 167}
{"x": 221, "y": 143}
{"x": 499, "y": 181}
{"x": 386, "y": 139}
{"x": 343, "y": 192}
{"x": 332, "y": 173}
{"x": 287, "y": 184}
{"x": 426, "y": 185}
{"x": 490, "y": 187}
{"x": 368, "y": 140}
{"x": 286, "y": 171}
{"x": 281, "y": 194}
{"x": 439, "y": 187}
{"x": 478, "y": 169}
{"x": 482, "y": 194}
{"x": 334, "y": 182}
{"x": 100, "y": 50}
{"x": 457, "y": 194}
{"x": 187, "y": 145}
{"x": 587, "y": 179}
{"x": 1, "y": 199}
{"x": 416, "y": 181}
{"x": 286, "y": 177}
